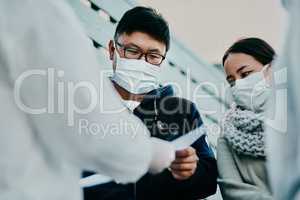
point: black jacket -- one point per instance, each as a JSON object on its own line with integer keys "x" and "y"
{"x": 167, "y": 117}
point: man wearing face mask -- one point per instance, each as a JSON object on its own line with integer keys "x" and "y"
{"x": 140, "y": 45}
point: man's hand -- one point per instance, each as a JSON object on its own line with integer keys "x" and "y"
{"x": 185, "y": 164}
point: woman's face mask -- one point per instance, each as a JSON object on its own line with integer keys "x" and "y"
{"x": 252, "y": 92}
{"x": 135, "y": 76}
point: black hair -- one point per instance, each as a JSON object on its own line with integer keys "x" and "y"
{"x": 146, "y": 20}
{"x": 259, "y": 49}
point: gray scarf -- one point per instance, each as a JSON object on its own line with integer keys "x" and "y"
{"x": 244, "y": 131}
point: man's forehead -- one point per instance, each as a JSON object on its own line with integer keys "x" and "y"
{"x": 142, "y": 40}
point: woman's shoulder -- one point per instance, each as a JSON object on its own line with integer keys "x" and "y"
{"x": 224, "y": 148}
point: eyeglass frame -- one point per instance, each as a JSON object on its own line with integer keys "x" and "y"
{"x": 142, "y": 53}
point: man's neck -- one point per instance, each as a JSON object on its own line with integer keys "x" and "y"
{"x": 127, "y": 95}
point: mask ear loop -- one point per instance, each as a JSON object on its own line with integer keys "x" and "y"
{"x": 266, "y": 76}
{"x": 265, "y": 67}
{"x": 115, "y": 58}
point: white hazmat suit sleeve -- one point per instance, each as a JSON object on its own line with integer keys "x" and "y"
{"x": 75, "y": 114}
{"x": 283, "y": 143}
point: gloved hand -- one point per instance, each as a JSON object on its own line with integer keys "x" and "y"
{"x": 163, "y": 155}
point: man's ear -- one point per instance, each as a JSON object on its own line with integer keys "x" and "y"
{"x": 111, "y": 49}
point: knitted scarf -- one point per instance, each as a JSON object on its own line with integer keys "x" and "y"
{"x": 244, "y": 131}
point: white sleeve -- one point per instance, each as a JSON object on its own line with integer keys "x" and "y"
{"x": 45, "y": 36}
{"x": 284, "y": 162}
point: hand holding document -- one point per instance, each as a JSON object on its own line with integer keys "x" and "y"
{"x": 188, "y": 139}
{"x": 162, "y": 157}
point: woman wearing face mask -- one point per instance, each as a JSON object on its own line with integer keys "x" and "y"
{"x": 241, "y": 148}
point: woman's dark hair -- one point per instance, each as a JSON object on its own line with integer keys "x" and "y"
{"x": 255, "y": 47}
{"x": 146, "y": 20}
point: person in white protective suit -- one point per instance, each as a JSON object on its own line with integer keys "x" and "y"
{"x": 49, "y": 85}
{"x": 283, "y": 138}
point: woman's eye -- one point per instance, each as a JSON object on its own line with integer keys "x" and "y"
{"x": 245, "y": 74}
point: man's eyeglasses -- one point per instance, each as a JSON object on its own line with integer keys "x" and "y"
{"x": 137, "y": 53}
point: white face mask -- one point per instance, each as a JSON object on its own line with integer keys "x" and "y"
{"x": 135, "y": 76}
{"x": 131, "y": 105}
{"x": 252, "y": 92}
